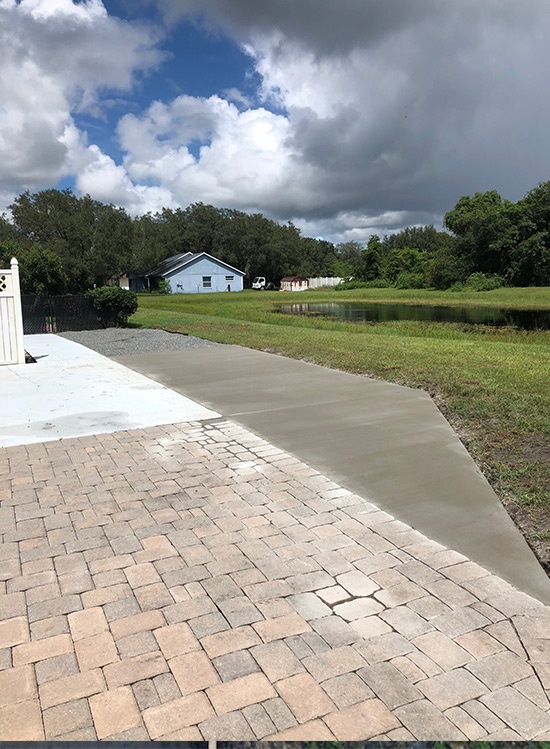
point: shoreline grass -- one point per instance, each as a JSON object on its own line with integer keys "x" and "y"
{"x": 492, "y": 384}
{"x": 528, "y": 297}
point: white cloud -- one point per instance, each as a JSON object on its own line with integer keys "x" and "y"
{"x": 56, "y": 56}
{"x": 373, "y": 115}
{"x": 236, "y": 95}
{"x": 358, "y": 227}
{"x": 52, "y": 9}
{"x": 245, "y": 159}
{"x": 397, "y": 106}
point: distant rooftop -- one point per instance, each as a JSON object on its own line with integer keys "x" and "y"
{"x": 172, "y": 262}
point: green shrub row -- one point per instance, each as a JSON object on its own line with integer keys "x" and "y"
{"x": 412, "y": 280}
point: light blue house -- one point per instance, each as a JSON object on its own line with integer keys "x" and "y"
{"x": 196, "y": 273}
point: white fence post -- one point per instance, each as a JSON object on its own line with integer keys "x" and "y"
{"x": 12, "y": 350}
{"x": 20, "y": 347}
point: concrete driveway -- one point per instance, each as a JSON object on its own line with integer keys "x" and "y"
{"x": 385, "y": 442}
{"x": 73, "y": 391}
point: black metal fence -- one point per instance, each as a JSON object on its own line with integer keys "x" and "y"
{"x": 36, "y": 314}
{"x": 57, "y": 314}
{"x": 74, "y": 313}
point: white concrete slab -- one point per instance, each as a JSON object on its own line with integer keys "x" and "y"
{"x": 73, "y": 391}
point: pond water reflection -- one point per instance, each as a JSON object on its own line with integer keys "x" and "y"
{"x": 525, "y": 319}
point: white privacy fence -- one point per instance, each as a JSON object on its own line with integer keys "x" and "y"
{"x": 316, "y": 283}
{"x": 11, "y": 317}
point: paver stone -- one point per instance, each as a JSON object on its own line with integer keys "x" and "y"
{"x": 114, "y": 711}
{"x": 173, "y": 716}
{"x": 193, "y": 672}
{"x": 239, "y": 693}
{"x": 362, "y": 721}
{"x": 452, "y": 688}
{"x": 304, "y": 697}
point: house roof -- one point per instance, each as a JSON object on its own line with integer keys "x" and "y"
{"x": 177, "y": 262}
{"x": 168, "y": 263}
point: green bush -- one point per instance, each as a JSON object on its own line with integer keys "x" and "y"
{"x": 378, "y": 283}
{"x": 484, "y": 282}
{"x": 408, "y": 280}
{"x": 443, "y": 270}
{"x": 163, "y": 287}
{"x": 403, "y": 260}
{"x": 113, "y": 304}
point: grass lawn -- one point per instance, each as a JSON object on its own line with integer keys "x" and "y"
{"x": 492, "y": 384}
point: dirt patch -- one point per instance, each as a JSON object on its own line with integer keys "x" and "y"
{"x": 535, "y": 526}
{"x": 509, "y": 449}
{"x": 518, "y": 469}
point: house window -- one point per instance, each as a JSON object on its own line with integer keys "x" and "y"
{"x": 207, "y": 282}
{"x": 230, "y": 278}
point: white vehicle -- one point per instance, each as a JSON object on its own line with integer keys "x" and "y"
{"x": 259, "y": 283}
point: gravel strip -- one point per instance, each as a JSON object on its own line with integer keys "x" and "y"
{"x": 128, "y": 341}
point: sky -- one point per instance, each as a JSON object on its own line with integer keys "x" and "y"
{"x": 348, "y": 117}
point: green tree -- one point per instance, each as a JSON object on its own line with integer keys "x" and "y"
{"x": 315, "y": 258}
{"x": 200, "y": 225}
{"x": 371, "y": 260}
{"x": 443, "y": 269}
{"x": 485, "y": 228}
{"x": 529, "y": 255}
{"x": 350, "y": 254}
{"x": 10, "y": 248}
{"x": 148, "y": 244}
{"x": 8, "y": 230}
{"x": 340, "y": 269}
{"x": 40, "y": 269}
{"x": 420, "y": 238}
{"x": 92, "y": 239}
{"x": 404, "y": 260}
{"x": 529, "y": 263}
{"x": 535, "y": 206}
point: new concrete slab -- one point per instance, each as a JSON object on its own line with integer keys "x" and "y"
{"x": 386, "y": 442}
{"x": 72, "y": 391}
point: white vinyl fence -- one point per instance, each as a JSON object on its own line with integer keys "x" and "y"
{"x": 316, "y": 283}
{"x": 11, "y": 317}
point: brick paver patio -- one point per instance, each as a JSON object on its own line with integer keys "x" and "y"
{"x": 195, "y": 582}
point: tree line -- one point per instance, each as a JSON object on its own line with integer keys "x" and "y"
{"x": 83, "y": 243}
{"x": 490, "y": 242}
{"x": 67, "y": 243}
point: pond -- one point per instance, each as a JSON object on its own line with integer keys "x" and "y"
{"x": 524, "y": 319}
